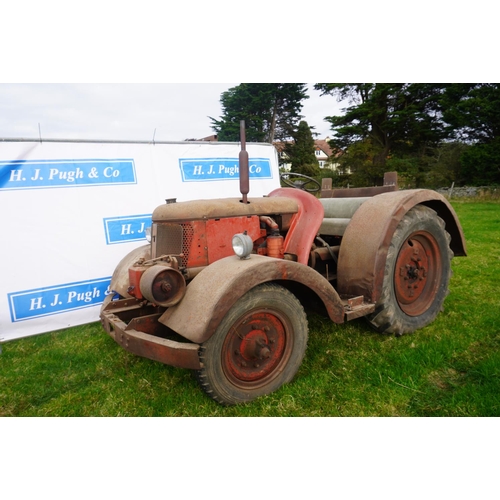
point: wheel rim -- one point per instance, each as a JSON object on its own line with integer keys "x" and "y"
{"x": 257, "y": 346}
{"x": 416, "y": 274}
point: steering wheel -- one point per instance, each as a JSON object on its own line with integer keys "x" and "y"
{"x": 294, "y": 180}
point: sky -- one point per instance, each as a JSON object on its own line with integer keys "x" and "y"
{"x": 114, "y": 111}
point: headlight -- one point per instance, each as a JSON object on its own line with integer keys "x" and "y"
{"x": 242, "y": 245}
{"x": 148, "y": 234}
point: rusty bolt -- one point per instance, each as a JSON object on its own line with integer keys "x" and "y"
{"x": 264, "y": 353}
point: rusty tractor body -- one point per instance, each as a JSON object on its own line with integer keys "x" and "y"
{"x": 222, "y": 286}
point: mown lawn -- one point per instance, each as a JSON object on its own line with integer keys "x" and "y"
{"x": 451, "y": 368}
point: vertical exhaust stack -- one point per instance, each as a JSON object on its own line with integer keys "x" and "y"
{"x": 243, "y": 165}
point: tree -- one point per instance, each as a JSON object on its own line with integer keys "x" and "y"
{"x": 271, "y": 111}
{"x": 390, "y": 119}
{"x": 357, "y": 164}
{"x": 480, "y": 164}
{"x": 445, "y": 164}
{"x": 301, "y": 152}
{"x": 473, "y": 114}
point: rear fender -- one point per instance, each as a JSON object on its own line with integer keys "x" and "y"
{"x": 363, "y": 250}
{"x": 217, "y": 288}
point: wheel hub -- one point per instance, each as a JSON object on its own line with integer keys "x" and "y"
{"x": 415, "y": 273}
{"x": 255, "y": 347}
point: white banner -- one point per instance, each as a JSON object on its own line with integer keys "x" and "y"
{"x": 72, "y": 210}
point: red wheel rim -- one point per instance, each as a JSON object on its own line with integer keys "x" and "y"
{"x": 256, "y": 347}
{"x": 417, "y": 272}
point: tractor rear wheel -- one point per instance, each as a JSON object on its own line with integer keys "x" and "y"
{"x": 416, "y": 275}
{"x": 258, "y": 346}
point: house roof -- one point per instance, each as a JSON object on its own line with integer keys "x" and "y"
{"x": 320, "y": 144}
{"x": 323, "y": 145}
{"x": 210, "y": 138}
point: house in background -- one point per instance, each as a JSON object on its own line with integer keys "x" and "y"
{"x": 324, "y": 154}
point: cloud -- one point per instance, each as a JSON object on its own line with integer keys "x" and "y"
{"x": 109, "y": 111}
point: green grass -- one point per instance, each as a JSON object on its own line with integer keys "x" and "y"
{"x": 451, "y": 368}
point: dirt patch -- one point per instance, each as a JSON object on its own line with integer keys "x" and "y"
{"x": 445, "y": 379}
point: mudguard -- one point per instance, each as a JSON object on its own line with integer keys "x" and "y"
{"x": 217, "y": 288}
{"x": 363, "y": 250}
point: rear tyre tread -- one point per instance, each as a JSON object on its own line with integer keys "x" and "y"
{"x": 388, "y": 318}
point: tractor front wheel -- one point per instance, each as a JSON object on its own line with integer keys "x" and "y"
{"x": 258, "y": 346}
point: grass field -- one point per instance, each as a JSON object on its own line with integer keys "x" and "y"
{"x": 451, "y": 368}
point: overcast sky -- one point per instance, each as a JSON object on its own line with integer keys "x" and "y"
{"x": 126, "y": 111}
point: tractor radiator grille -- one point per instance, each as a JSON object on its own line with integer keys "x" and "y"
{"x": 172, "y": 239}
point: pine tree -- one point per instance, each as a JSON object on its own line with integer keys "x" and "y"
{"x": 271, "y": 111}
{"x": 400, "y": 121}
{"x": 473, "y": 112}
{"x": 301, "y": 152}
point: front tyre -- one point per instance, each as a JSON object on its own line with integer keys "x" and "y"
{"x": 258, "y": 346}
{"x": 416, "y": 275}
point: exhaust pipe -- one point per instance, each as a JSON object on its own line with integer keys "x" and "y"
{"x": 243, "y": 165}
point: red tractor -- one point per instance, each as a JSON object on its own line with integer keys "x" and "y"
{"x": 222, "y": 285}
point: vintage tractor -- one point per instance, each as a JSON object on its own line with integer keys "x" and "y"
{"x": 222, "y": 286}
